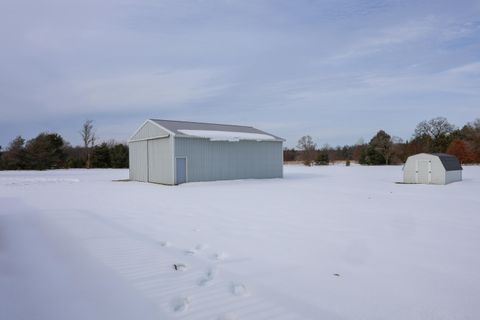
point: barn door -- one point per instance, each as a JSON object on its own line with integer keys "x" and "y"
{"x": 424, "y": 171}
{"x": 181, "y": 170}
{"x": 138, "y": 157}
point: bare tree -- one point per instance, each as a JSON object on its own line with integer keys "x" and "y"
{"x": 308, "y": 148}
{"x": 434, "y": 128}
{"x": 476, "y": 124}
{"x": 89, "y": 138}
{"x": 434, "y": 134}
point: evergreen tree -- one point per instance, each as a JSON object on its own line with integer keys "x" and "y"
{"x": 101, "y": 156}
{"x": 382, "y": 144}
{"x": 370, "y": 156}
{"x": 119, "y": 156}
{"x": 46, "y": 151}
{"x": 322, "y": 159}
{"x": 14, "y": 157}
{"x": 75, "y": 157}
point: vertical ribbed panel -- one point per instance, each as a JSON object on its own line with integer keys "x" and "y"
{"x": 137, "y": 153}
{"x": 453, "y": 176}
{"x": 221, "y": 160}
{"x": 160, "y": 161}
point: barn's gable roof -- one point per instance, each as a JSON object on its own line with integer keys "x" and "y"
{"x": 450, "y": 163}
{"x": 148, "y": 130}
{"x": 186, "y": 128}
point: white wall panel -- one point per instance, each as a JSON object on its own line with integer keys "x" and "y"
{"x": 222, "y": 160}
{"x": 137, "y": 153}
{"x": 160, "y": 161}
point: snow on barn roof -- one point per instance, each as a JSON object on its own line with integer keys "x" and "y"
{"x": 215, "y": 131}
{"x": 227, "y": 135}
{"x": 450, "y": 163}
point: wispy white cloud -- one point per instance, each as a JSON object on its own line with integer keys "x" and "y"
{"x": 389, "y": 39}
{"x": 164, "y": 89}
{"x": 301, "y": 66}
{"x": 466, "y": 69}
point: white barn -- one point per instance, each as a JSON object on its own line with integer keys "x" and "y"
{"x": 174, "y": 152}
{"x": 436, "y": 168}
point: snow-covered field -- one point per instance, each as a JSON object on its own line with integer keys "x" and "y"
{"x": 323, "y": 243}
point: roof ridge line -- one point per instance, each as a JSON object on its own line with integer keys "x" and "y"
{"x": 220, "y": 124}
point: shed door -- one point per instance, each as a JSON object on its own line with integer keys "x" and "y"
{"x": 181, "y": 170}
{"x": 424, "y": 171}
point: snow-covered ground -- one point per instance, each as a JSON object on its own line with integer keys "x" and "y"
{"x": 323, "y": 243}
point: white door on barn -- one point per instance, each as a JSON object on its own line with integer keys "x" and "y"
{"x": 424, "y": 171}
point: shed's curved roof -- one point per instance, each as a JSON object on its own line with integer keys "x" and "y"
{"x": 450, "y": 162}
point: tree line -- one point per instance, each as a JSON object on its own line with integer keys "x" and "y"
{"x": 436, "y": 135}
{"x": 51, "y": 151}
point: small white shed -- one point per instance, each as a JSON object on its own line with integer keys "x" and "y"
{"x": 435, "y": 168}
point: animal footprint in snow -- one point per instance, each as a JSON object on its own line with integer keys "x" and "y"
{"x": 239, "y": 289}
{"x": 165, "y": 243}
{"x": 180, "y": 304}
{"x": 227, "y": 316}
{"x": 180, "y": 267}
{"x": 220, "y": 256}
{"x": 208, "y": 278}
{"x": 190, "y": 252}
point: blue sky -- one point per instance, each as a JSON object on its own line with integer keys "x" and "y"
{"x": 337, "y": 70}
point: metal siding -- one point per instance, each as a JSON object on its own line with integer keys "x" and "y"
{"x": 221, "y": 160}
{"x": 160, "y": 161}
{"x": 409, "y": 175}
{"x": 453, "y": 176}
{"x": 149, "y": 130}
{"x": 438, "y": 171}
{"x": 138, "y": 161}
